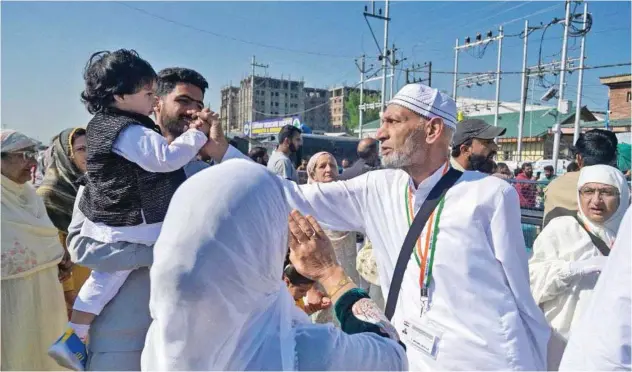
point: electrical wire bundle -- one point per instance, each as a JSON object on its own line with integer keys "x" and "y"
{"x": 574, "y": 31}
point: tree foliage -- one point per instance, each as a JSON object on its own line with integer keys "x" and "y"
{"x": 352, "y": 112}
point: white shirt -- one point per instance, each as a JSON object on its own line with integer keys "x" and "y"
{"x": 481, "y": 303}
{"x": 150, "y": 151}
{"x": 561, "y": 294}
{"x": 601, "y": 339}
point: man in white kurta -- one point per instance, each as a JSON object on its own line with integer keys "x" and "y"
{"x": 481, "y": 314}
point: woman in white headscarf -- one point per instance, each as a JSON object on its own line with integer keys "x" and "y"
{"x": 323, "y": 168}
{"x": 217, "y": 298}
{"x": 570, "y": 252}
{"x": 33, "y": 309}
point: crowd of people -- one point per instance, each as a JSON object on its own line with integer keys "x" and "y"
{"x": 153, "y": 244}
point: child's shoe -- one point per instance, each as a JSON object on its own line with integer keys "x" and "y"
{"x": 69, "y": 351}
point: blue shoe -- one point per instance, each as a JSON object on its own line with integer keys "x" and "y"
{"x": 69, "y": 351}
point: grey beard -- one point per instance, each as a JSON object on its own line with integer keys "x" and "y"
{"x": 397, "y": 160}
{"x": 403, "y": 158}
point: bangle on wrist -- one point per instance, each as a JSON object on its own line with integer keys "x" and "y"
{"x": 341, "y": 284}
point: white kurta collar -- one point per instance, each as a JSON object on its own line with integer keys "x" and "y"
{"x": 421, "y": 192}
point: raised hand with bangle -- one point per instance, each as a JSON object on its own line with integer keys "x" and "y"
{"x": 313, "y": 256}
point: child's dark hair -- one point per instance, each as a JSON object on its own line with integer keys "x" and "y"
{"x": 114, "y": 73}
{"x": 294, "y": 277}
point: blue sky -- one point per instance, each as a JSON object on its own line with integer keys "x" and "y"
{"x": 46, "y": 44}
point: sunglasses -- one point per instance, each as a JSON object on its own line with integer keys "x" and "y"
{"x": 26, "y": 155}
{"x": 588, "y": 192}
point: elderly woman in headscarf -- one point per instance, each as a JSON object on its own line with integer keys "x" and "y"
{"x": 217, "y": 298}
{"x": 570, "y": 252}
{"x": 323, "y": 168}
{"x": 59, "y": 190}
{"x": 33, "y": 310}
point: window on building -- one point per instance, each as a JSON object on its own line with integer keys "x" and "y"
{"x": 276, "y": 94}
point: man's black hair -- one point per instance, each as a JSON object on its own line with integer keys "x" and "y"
{"x": 597, "y": 146}
{"x": 287, "y": 132}
{"x": 524, "y": 165}
{"x": 456, "y": 150}
{"x": 257, "y": 153}
{"x": 169, "y": 77}
{"x": 572, "y": 167}
{"x": 294, "y": 277}
{"x": 502, "y": 168}
{"x": 113, "y": 73}
{"x": 549, "y": 168}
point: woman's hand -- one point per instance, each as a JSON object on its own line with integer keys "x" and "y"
{"x": 316, "y": 301}
{"x": 311, "y": 251}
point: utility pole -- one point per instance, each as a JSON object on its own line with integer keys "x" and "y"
{"x": 523, "y": 90}
{"x": 384, "y": 51}
{"x": 479, "y": 79}
{"x": 578, "y": 109}
{"x": 362, "y": 68}
{"x": 500, "y": 51}
{"x": 393, "y": 63}
{"x": 229, "y": 111}
{"x": 560, "y": 102}
{"x": 384, "y": 56}
{"x": 419, "y": 68}
{"x": 456, "y": 68}
{"x": 253, "y": 64}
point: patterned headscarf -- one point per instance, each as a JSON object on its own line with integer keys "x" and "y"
{"x": 59, "y": 187}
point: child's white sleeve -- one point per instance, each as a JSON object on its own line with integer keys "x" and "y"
{"x": 98, "y": 290}
{"x": 151, "y": 151}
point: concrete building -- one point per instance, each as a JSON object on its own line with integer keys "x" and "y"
{"x": 229, "y": 110}
{"x": 338, "y": 96}
{"x": 619, "y": 95}
{"x": 317, "y": 114}
{"x": 273, "y": 98}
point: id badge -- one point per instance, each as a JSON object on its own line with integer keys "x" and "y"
{"x": 422, "y": 338}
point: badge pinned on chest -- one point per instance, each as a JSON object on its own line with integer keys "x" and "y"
{"x": 422, "y": 338}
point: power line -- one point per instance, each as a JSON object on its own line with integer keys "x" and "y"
{"x": 520, "y": 72}
{"x": 451, "y": 73}
{"x": 532, "y": 14}
{"x": 461, "y": 26}
{"x": 228, "y": 37}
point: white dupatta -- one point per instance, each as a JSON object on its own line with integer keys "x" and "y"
{"x": 217, "y": 298}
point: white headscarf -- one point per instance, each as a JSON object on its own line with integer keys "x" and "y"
{"x": 13, "y": 141}
{"x": 609, "y": 176}
{"x": 313, "y": 161}
{"x": 218, "y": 301}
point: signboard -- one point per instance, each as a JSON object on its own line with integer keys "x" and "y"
{"x": 271, "y": 126}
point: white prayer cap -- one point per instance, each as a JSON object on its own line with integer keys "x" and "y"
{"x": 427, "y": 102}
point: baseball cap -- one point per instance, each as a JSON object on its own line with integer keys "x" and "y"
{"x": 475, "y": 128}
{"x": 427, "y": 102}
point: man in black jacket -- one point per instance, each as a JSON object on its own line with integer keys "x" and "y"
{"x": 368, "y": 159}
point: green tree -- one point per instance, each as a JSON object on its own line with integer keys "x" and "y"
{"x": 353, "y": 113}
